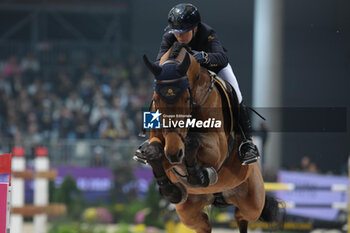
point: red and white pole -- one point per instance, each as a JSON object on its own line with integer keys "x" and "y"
{"x": 41, "y": 188}
{"x": 17, "y": 199}
{"x": 5, "y": 192}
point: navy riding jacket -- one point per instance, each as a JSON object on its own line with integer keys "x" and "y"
{"x": 204, "y": 40}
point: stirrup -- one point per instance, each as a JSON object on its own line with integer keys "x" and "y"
{"x": 250, "y": 160}
{"x": 248, "y": 157}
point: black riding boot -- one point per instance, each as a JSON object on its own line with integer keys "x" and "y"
{"x": 248, "y": 152}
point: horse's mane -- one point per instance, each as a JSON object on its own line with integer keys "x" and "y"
{"x": 176, "y": 49}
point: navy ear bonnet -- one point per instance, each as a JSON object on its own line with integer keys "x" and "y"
{"x": 167, "y": 83}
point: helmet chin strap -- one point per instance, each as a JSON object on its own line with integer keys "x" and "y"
{"x": 193, "y": 33}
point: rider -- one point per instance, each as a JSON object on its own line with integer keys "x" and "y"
{"x": 185, "y": 26}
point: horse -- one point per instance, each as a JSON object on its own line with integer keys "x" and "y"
{"x": 195, "y": 168}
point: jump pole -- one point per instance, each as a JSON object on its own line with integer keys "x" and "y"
{"x": 17, "y": 199}
{"x": 5, "y": 192}
{"x": 41, "y": 188}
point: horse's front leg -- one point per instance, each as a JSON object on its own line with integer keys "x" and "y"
{"x": 197, "y": 175}
{"x": 191, "y": 212}
{"x": 174, "y": 193}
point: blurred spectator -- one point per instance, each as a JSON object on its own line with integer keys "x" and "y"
{"x": 305, "y": 163}
{"x": 46, "y": 124}
{"x": 98, "y": 158}
{"x": 98, "y": 113}
{"x": 313, "y": 168}
{"x": 11, "y": 67}
{"x": 66, "y": 124}
{"x": 5, "y": 85}
{"x": 74, "y": 103}
{"x": 125, "y": 127}
{"x": 63, "y": 86}
{"x": 30, "y": 67}
{"x": 82, "y": 128}
{"x": 107, "y": 130}
{"x": 24, "y": 103}
{"x": 63, "y": 65}
{"x": 308, "y": 166}
{"x": 3, "y": 109}
{"x": 86, "y": 86}
{"x": 103, "y": 76}
{"x": 95, "y": 99}
{"x": 30, "y": 63}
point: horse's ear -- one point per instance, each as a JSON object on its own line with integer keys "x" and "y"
{"x": 184, "y": 65}
{"x": 155, "y": 69}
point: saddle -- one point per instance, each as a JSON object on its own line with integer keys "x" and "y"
{"x": 230, "y": 101}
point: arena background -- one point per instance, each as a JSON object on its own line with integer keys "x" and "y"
{"x": 315, "y": 57}
{"x": 79, "y": 36}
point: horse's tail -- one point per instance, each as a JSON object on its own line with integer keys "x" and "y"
{"x": 273, "y": 211}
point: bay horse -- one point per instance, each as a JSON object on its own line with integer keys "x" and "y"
{"x": 195, "y": 169}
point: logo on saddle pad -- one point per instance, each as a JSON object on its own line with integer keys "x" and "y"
{"x": 151, "y": 120}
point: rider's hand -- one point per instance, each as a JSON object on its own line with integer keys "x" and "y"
{"x": 201, "y": 57}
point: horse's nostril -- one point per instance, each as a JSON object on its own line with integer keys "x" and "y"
{"x": 179, "y": 153}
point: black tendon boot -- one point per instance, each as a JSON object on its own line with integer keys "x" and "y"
{"x": 248, "y": 152}
{"x": 174, "y": 193}
{"x": 197, "y": 176}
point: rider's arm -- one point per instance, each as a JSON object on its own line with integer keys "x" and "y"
{"x": 167, "y": 42}
{"x": 216, "y": 53}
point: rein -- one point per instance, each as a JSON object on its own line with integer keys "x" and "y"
{"x": 212, "y": 82}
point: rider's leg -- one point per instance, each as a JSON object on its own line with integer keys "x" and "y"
{"x": 248, "y": 151}
{"x": 228, "y": 75}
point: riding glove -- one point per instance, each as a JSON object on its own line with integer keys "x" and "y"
{"x": 201, "y": 56}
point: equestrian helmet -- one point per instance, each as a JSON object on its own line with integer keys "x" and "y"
{"x": 182, "y": 18}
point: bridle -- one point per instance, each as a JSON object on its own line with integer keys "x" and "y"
{"x": 193, "y": 105}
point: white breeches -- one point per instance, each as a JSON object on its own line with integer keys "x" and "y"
{"x": 228, "y": 75}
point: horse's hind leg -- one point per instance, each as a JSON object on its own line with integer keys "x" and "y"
{"x": 192, "y": 215}
{"x": 242, "y": 225}
{"x": 249, "y": 198}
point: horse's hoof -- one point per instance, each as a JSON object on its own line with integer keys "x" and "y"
{"x": 183, "y": 192}
{"x": 212, "y": 175}
{"x": 174, "y": 193}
